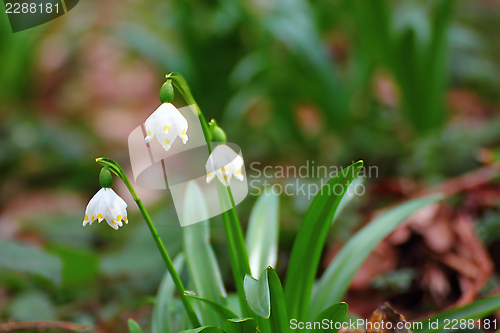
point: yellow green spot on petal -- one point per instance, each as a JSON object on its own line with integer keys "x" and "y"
{"x": 126, "y": 219}
{"x": 166, "y": 128}
{"x": 209, "y": 174}
{"x": 149, "y": 132}
{"x": 184, "y": 132}
{"x": 93, "y": 218}
{"x": 239, "y": 172}
{"x": 166, "y": 142}
{"x": 223, "y": 169}
{"x": 119, "y": 218}
{"x": 225, "y": 177}
{"x": 99, "y": 216}
{"x": 86, "y": 218}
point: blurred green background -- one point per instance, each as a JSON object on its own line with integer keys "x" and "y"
{"x": 411, "y": 87}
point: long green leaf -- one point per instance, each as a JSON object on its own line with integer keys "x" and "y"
{"x": 278, "y": 319}
{"x": 133, "y": 327}
{"x": 335, "y": 281}
{"x": 437, "y": 61}
{"x": 28, "y": 259}
{"x": 202, "y": 263}
{"x": 241, "y": 325}
{"x": 258, "y": 295}
{"x": 335, "y": 314}
{"x": 262, "y": 233}
{"x": 164, "y": 297}
{"x": 475, "y": 310}
{"x": 204, "y": 329}
{"x": 306, "y": 251}
{"x": 223, "y": 312}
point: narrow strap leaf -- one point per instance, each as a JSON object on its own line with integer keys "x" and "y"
{"x": 221, "y": 310}
{"x": 306, "y": 251}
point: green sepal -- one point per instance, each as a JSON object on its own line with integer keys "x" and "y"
{"x": 105, "y": 178}
{"x": 217, "y": 134}
{"x": 167, "y": 92}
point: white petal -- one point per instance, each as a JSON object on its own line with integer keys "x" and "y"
{"x": 226, "y": 162}
{"x": 112, "y": 224}
{"x": 106, "y": 204}
{"x": 158, "y": 121}
{"x": 166, "y": 139}
{"x": 224, "y": 177}
{"x": 237, "y": 168}
{"x": 210, "y": 176}
{"x": 166, "y": 123}
{"x": 90, "y": 211}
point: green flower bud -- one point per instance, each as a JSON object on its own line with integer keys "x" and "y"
{"x": 218, "y": 134}
{"x": 105, "y": 178}
{"x": 167, "y": 92}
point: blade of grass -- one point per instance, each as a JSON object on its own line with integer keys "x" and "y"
{"x": 307, "y": 247}
{"x": 262, "y": 233}
{"x": 336, "y": 279}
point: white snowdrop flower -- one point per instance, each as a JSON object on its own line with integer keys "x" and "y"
{"x": 225, "y": 163}
{"x": 166, "y": 123}
{"x": 106, "y": 205}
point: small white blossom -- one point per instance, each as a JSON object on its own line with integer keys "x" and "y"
{"x": 166, "y": 123}
{"x": 106, "y": 205}
{"x": 224, "y": 163}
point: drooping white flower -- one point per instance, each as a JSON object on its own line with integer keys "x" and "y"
{"x": 166, "y": 123}
{"x": 106, "y": 205}
{"x": 225, "y": 163}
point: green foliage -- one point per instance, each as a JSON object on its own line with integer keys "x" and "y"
{"x": 265, "y": 296}
{"x": 279, "y": 318}
{"x": 204, "y": 329}
{"x": 201, "y": 261}
{"x": 133, "y": 327}
{"x": 27, "y": 259}
{"x": 257, "y": 292}
{"x": 475, "y": 310}
{"x": 32, "y": 305}
{"x": 306, "y": 251}
{"x": 221, "y": 310}
{"x": 336, "y": 279}
{"x": 252, "y": 66}
{"x": 335, "y": 314}
{"x": 164, "y": 297}
{"x": 262, "y": 233}
{"x": 241, "y": 325}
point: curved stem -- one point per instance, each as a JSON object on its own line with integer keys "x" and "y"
{"x": 115, "y": 168}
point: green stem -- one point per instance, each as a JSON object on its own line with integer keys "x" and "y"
{"x": 240, "y": 288}
{"x": 238, "y": 236}
{"x": 232, "y": 226}
{"x": 115, "y": 167}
